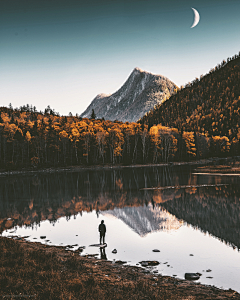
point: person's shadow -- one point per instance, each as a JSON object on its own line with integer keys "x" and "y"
{"x": 103, "y": 253}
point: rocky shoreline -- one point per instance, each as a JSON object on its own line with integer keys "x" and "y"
{"x": 40, "y": 271}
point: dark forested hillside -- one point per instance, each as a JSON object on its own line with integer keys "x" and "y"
{"x": 209, "y": 105}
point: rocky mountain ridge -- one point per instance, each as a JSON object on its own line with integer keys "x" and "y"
{"x": 140, "y": 93}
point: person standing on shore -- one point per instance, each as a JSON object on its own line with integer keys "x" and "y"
{"x": 102, "y": 231}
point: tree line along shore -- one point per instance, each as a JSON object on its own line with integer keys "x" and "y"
{"x": 35, "y": 139}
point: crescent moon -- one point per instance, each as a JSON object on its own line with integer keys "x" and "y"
{"x": 196, "y": 18}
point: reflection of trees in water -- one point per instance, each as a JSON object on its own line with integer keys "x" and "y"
{"x": 213, "y": 210}
{"x": 27, "y": 200}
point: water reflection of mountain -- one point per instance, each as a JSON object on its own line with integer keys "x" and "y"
{"x": 145, "y": 219}
{"x": 28, "y": 200}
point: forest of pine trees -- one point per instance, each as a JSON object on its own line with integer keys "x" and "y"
{"x": 208, "y": 106}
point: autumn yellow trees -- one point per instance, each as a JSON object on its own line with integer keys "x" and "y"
{"x": 115, "y": 142}
{"x": 221, "y": 145}
{"x": 40, "y": 140}
{"x": 164, "y": 143}
{"x": 189, "y": 140}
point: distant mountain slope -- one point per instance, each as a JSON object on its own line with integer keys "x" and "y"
{"x": 209, "y": 105}
{"x": 140, "y": 93}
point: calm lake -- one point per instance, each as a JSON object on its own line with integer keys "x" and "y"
{"x": 194, "y": 220}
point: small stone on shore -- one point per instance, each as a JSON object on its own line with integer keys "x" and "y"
{"x": 120, "y": 262}
{"x": 149, "y": 263}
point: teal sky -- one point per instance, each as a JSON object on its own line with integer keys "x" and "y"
{"x": 63, "y": 53}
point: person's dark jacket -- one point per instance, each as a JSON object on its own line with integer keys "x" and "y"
{"x": 102, "y": 229}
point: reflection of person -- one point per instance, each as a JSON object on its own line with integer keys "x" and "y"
{"x": 103, "y": 253}
{"x": 102, "y": 231}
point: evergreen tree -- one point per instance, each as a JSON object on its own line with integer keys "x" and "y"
{"x": 93, "y": 115}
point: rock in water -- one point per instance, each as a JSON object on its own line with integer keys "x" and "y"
{"x": 114, "y": 251}
{"x": 192, "y": 276}
{"x": 153, "y": 263}
{"x": 156, "y": 250}
{"x": 80, "y": 249}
